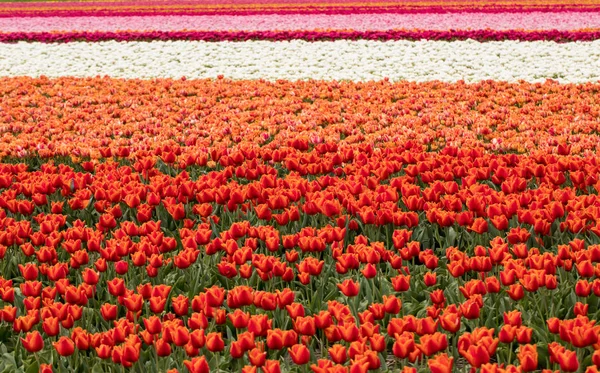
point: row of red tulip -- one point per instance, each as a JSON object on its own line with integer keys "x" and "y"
{"x": 303, "y": 253}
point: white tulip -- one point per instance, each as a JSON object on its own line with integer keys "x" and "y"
{"x": 344, "y": 60}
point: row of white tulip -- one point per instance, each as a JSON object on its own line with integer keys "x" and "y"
{"x": 297, "y": 60}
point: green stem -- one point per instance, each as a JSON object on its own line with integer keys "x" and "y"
{"x": 510, "y": 351}
{"x": 156, "y": 360}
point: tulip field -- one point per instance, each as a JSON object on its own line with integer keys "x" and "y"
{"x": 297, "y": 186}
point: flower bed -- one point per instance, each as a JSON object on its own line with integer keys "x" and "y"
{"x": 565, "y": 21}
{"x": 222, "y": 224}
{"x": 178, "y": 199}
{"x": 296, "y": 59}
{"x": 249, "y": 7}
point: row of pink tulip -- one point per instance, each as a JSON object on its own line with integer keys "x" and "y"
{"x": 317, "y": 35}
{"x": 359, "y": 22}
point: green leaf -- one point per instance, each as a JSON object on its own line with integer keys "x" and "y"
{"x": 451, "y": 239}
{"x": 33, "y": 368}
{"x": 383, "y": 366}
{"x": 97, "y": 369}
{"x": 9, "y": 358}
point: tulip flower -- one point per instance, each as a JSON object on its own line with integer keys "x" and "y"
{"x": 479, "y": 226}
{"x": 162, "y": 347}
{"x": 257, "y": 357}
{"x": 450, "y": 321}
{"x": 568, "y": 361}
{"x": 33, "y": 342}
{"x": 528, "y": 357}
{"x": 337, "y": 353}
{"x": 64, "y": 346}
{"x": 369, "y": 271}
{"x": 214, "y": 342}
{"x": 441, "y": 364}
{"x": 300, "y": 354}
{"x": 305, "y": 325}
{"x": 271, "y": 366}
{"x": 153, "y": 324}
{"x": 349, "y": 288}
{"x": 197, "y": 365}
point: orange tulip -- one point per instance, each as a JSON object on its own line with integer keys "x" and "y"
{"x": 441, "y": 364}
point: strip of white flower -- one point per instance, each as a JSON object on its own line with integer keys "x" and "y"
{"x": 296, "y": 60}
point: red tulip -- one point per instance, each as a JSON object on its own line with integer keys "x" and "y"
{"x": 180, "y": 304}
{"x": 476, "y": 355}
{"x": 214, "y": 342}
{"x": 116, "y": 286}
{"x": 430, "y": 278}
{"x": 437, "y": 297}
{"x": 450, "y": 321}
{"x": 215, "y": 296}
{"x": 523, "y": 334}
{"x": 239, "y": 319}
{"x": 338, "y": 354}
{"x": 580, "y": 309}
{"x": 568, "y": 361}
{"x": 236, "y": 350}
{"x": 108, "y": 311}
{"x": 391, "y": 304}
{"x": 81, "y": 338}
{"x": 377, "y": 342}
{"x": 295, "y": 310}
{"x": 596, "y": 358}
{"x": 197, "y": 338}
{"x": 404, "y": 345}
{"x": 507, "y": 334}
{"x": 441, "y": 364}
{"x": 162, "y": 347}
{"x": 300, "y": 354}
{"x": 516, "y": 292}
{"x": 153, "y": 325}
{"x": 197, "y": 365}
{"x": 29, "y": 271}
{"x": 513, "y": 318}
{"x": 528, "y": 357}
{"x": 349, "y": 288}
{"x": 51, "y": 326}
{"x": 271, "y": 366}
{"x": 64, "y": 346}
{"x": 133, "y": 302}
{"x": 121, "y": 267}
{"x": 305, "y": 325}
{"x": 103, "y": 351}
{"x": 181, "y": 336}
{"x": 430, "y": 344}
{"x": 553, "y": 324}
{"x": 369, "y": 271}
{"x": 583, "y": 288}
{"x": 275, "y": 339}
{"x": 480, "y": 226}
{"x": 257, "y": 357}
{"x": 33, "y": 342}
{"x": 470, "y": 309}
{"x": 8, "y": 313}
